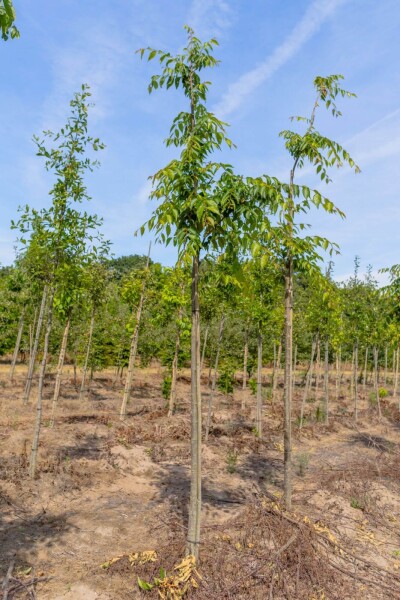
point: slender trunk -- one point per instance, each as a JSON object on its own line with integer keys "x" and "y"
{"x": 287, "y": 435}
{"x": 17, "y": 344}
{"x": 245, "y": 361}
{"x": 376, "y": 382}
{"x": 172, "y": 395}
{"x": 32, "y": 358}
{"x": 60, "y": 366}
{"x": 356, "y": 381}
{"x": 317, "y": 369}
{"x": 39, "y": 405}
{"x": 193, "y": 539}
{"x": 275, "y": 375}
{"x": 396, "y": 375}
{"x": 365, "y": 370}
{"x": 308, "y": 383}
{"x": 75, "y": 364}
{"x": 294, "y": 368}
{"x": 386, "y": 367}
{"x": 352, "y": 375}
{"x": 339, "y": 373}
{"x": 85, "y": 366}
{"x": 326, "y": 382}
{"x": 259, "y": 384}
{"x": 214, "y": 378}
{"x": 204, "y": 347}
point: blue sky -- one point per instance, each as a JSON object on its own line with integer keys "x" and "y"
{"x": 270, "y": 51}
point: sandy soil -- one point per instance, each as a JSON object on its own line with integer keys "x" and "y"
{"x": 106, "y": 488}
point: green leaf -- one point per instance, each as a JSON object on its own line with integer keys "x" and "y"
{"x": 144, "y": 585}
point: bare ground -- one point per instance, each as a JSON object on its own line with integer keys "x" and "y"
{"x": 107, "y": 488}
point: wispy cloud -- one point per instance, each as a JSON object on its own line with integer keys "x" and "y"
{"x": 210, "y": 17}
{"x": 379, "y": 140}
{"x": 316, "y": 14}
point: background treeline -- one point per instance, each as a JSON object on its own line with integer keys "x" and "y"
{"x": 248, "y": 301}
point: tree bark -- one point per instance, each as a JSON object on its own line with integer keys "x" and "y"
{"x": 259, "y": 384}
{"x": 308, "y": 383}
{"x": 214, "y": 378}
{"x": 32, "y": 358}
{"x": 365, "y": 370}
{"x": 294, "y": 368}
{"x": 245, "y": 361}
{"x": 172, "y": 395}
{"x": 317, "y": 369}
{"x": 275, "y": 374}
{"x": 356, "y": 381}
{"x": 376, "y": 383}
{"x": 39, "y": 405}
{"x": 17, "y": 344}
{"x": 326, "y": 382}
{"x": 396, "y": 374}
{"x": 204, "y": 347}
{"x": 386, "y": 366}
{"x": 193, "y": 539}
{"x": 287, "y": 435}
{"x": 60, "y": 366}
{"x": 88, "y": 349}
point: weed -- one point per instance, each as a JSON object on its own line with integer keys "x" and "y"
{"x": 231, "y": 461}
{"x": 319, "y": 414}
{"x": 253, "y": 386}
{"x": 383, "y": 393}
{"x": 310, "y": 400}
{"x": 302, "y": 464}
{"x": 166, "y": 386}
{"x": 355, "y": 503}
{"x": 372, "y": 399}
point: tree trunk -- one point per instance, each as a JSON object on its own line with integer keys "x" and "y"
{"x": 245, "y": 360}
{"x": 294, "y": 368}
{"x": 214, "y": 378}
{"x": 39, "y": 405}
{"x": 386, "y": 367}
{"x": 326, "y": 382}
{"x": 376, "y": 383}
{"x": 32, "y": 358}
{"x": 60, "y": 366}
{"x": 287, "y": 435}
{"x": 17, "y": 344}
{"x": 85, "y": 366}
{"x": 317, "y": 369}
{"x": 338, "y": 372}
{"x": 204, "y": 347}
{"x": 356, "y": 381}
{"x": 275, "y": 374}
{"x": 172, "y": 395}
{"x": 259, "y": 384}
{"x": 308, "y": 383}
{"x": 365, "y": 370}
{"x": 396, "y": 375}
{"x": 193, "y": 539}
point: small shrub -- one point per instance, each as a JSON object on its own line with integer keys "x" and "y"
{"x": 372, "y": 399}
{"x": 166, "y": 386}
{"x": 226, "y": 379}
{"x": 231, "y": 461}
{"x": 253, "y": 386}
{"x": 383, "y": 392}
{"x": 358, "y": 504}
{"x": 302, "y": 464}
{"x": 310, "y": 400}
{"x": 319, "y": 414}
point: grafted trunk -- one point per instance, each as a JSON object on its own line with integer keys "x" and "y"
{"x": 308, "y": 383}
{"x": 88, "y": 349}
{"x": 32, "y": 358}
{"x": 39, "y": 405}
{"x": 17, "y": 344}
{"x": 214, "y": 378}
{"x": 193, "y": 539}
{"x": 60, "y": 366}
{"x": 172, "y": 395}
{"x": 259, "y": 384}
{"x": 326, "y": 382}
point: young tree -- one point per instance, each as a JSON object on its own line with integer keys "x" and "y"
{"x": 202, "y": 206}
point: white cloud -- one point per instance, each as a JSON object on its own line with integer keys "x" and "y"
{"x": 318, "y": 12}
{"x": 210, "y": 17}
